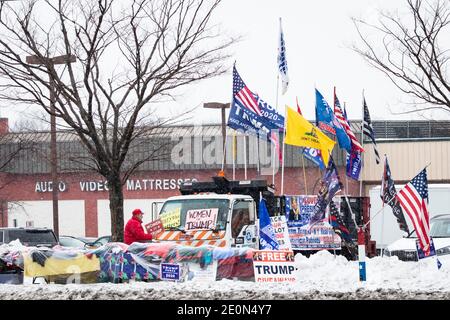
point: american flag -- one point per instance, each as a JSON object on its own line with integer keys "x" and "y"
{"x": 414, "y": 199}
{"x": 242, "y": 94}
{"x": 342, "y": 118}
{"x": 368, "y": 130}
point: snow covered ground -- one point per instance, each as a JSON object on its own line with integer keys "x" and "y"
{"x": 322, "y": 276}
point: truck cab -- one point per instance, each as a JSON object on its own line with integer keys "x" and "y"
{"x": 220, "y": 212}
{"x": 222, "y": 220}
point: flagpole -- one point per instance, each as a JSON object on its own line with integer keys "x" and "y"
{"x": 258, "y": 168}
{"x": 274, "y": 151}
{"x": 234, "y": 154}
{"x": 362, "y": 145}
{"x": 282, "y": 160}
{"x": 245, "y": 157}
{"x": 304, "y": 173}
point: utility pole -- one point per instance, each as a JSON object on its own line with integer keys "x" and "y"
{"x": 64, "y": 59}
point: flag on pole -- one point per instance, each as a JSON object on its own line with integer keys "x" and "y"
{"x": 267, "y": 238}
{"x": 414, "y": 199}
{"x": 242, "y": 95}
{"x": 388, "y": 195}
{"x": 298, "y": 107}
{"x": 282, "y": 62}
{"x": 327, "y": 121}
{"x": 329, "y": 186}
{"x": 439, "y": 264}
{"x": 342, "y": 118}
{"x": 368, "y": 130}
{"x": 300, "y": 132}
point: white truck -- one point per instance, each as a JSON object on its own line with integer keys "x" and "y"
{"x": 384, "y": 228}
{"x": 221, "y": 213}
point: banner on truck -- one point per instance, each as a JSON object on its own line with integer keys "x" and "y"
{"x": 280, "y": 229}
{"x": 274, "y": 266}
{"x": 299, "y": 209}
{"x": 171, "y": 218}
{"x": 201, "y": 219}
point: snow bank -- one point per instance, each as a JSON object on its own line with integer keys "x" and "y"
{"x": 322, "y": 276}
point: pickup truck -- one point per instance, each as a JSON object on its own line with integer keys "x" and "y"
{"x": 35, "y": 237}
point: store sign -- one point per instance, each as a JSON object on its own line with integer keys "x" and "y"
{"x": 47, "y": 186}
{"x": 131, "y": 185}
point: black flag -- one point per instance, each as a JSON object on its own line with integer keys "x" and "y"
{"x": 388, "y": 192}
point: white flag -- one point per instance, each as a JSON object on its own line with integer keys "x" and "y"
{"x": 282, "y": 63}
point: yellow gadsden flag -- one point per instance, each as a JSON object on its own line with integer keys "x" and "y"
{"x": 300, "y": 132}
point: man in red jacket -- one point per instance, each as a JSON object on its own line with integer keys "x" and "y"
{"x": 134, "y": 231}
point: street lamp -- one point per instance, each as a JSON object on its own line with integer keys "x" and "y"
{"x": 64, "y": 59}
{"x": 223, "y": 106}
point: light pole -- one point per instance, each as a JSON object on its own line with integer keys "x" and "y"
{"x": 64, "y": 59}
{"x": 223, "y": 106}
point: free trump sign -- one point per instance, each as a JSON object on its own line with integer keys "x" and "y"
{"x": 274, "y": 266}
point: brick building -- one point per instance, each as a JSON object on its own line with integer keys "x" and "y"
{"x": 191, "y": 153}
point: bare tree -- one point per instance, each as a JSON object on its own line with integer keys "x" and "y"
{"x": 129, "y": 55}
{"x": 415, "y": 51}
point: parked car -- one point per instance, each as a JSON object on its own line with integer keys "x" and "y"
{"x": 75, "y": 242}
{"x": 34, "y": 237}
{"x": 99, "y": 242}
{"x": 405, "y": 248}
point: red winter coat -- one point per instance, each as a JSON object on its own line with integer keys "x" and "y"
{"x": 134, "y": 231}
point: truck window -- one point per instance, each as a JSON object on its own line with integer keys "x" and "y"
{"x": 177, "y": 210}
{"x": 241, "y": 217}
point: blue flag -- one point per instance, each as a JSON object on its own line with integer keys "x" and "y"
{"x": 314, "y": 156}
{"x": 326, "y": 120}
{"x": 267, "y": 239}
{"x": 329, "y": 186}
{"x": 354, "y": 164}
{"x": 439, "y": 264}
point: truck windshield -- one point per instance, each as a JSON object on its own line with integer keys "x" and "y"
{"x": 195, "y": 214}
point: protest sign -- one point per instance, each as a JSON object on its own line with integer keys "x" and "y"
{"x": 316, "y": 237}
{"x": 274, "y": 266}
{"x": 280, "y": 229}
{"x": 155, "y": 227}
{"x": 196, "y": 273}
{"x": 201, "y": 219}
{"x": 170, "y": 272}
{"x": 171, "y": 218}
{"x": 421, "y": 254}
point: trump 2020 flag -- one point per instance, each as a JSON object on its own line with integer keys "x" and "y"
{"x": 329, "y": 186}
{"x": 327, "y": 121}
{"x": 267, "y": 239}
{"x": 282, "y": 62}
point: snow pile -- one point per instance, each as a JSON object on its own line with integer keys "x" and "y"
{"x": 322, "y": 276}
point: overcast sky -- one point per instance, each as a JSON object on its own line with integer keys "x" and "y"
{"x": 318, "y": 35}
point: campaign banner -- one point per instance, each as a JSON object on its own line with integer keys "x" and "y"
{"x": 420, "y": 252}
{"x": 169, "y": 272}
{"x": 201, "y": 219}
{"x": 319, "y": 236}
{"x": 280, "y": 229}
{"x": 171, "y": 218}
{"x": 274, "y": 266}
{"x": 155, "y": 227}
{"x": 299, "y": 210}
